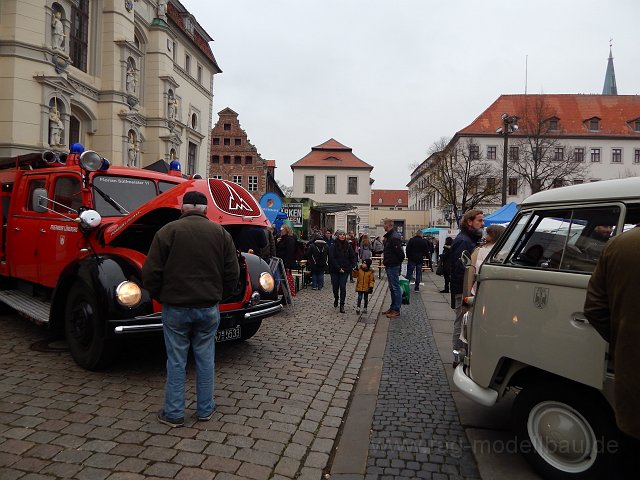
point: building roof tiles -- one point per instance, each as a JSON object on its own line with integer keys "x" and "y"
{"x": 331, "y": 154}
{"x": 617, "y": 114}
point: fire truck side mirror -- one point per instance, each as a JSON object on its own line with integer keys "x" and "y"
{"x": 39, "y": 200}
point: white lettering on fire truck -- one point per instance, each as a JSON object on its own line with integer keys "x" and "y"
{"x": 63, "y": 228}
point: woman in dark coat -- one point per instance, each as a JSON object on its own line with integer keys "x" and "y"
{"x": 445, "y": 258}
{"x": 286, "y": 248}
{"x": 342, "y": 260}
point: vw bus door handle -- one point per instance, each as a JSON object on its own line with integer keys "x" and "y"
{"x": 579, "y": 319}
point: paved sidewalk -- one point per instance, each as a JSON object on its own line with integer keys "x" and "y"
{"x": 415, "y": 429}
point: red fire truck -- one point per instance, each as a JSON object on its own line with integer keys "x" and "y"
{"x": 75, "y": 233}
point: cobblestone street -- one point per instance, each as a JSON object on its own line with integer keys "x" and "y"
{"x": 281, "y": 398}
{"x": 283, "y": 401}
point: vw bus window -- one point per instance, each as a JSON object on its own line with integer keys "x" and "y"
{"x": 632, "y": 218}
{"x": 506, "y": 247}
{"x": 568, "y": 240}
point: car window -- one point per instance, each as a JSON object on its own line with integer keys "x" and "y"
{"x": 129, "y": 192}
{"x": 67, "y": 195}
{"x": 567, "y": 239}
{"x": 33, "y": 184}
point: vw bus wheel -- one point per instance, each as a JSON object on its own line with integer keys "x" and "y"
{"x": 85, "y": 329}
{"x": 564, "y": 431}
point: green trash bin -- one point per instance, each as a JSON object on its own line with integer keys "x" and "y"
{"x": 404, "y": 288}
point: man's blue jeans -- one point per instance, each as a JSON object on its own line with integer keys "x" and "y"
{"x": 184, "y": 327}
{"x": 393, "y": 277}
{"x": 418, "y": 268}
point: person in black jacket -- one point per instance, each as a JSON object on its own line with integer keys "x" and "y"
{"x": 286, "y": 247}
{"x": 468, "y": 238}
{"x": 417, "y": 249}
{"x": 342, "y": 260}
{"x": 392, "y": 258}
{"x": 317, "y": 256}
{"x": 445, "y": 260}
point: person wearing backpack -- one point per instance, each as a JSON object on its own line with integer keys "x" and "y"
{"x": 317, "y": 256}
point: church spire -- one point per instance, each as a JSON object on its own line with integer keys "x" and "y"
{"x": 610, "y": 87}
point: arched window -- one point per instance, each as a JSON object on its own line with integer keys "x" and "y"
{"x": 79, "y": 35}
{"x": 194, "y": 121}
{"x": 172, "y": 154}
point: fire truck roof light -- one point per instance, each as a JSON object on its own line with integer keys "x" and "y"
{"x": 77, "y": 148}
{"x": 90, "y": 161}
{"x": 175, "y": 165}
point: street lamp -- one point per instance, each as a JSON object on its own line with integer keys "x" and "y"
{"x": 508, "y": 126}
{"x": 447, "y": 211}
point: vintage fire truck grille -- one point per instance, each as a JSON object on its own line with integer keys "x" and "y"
{"x": 233, "y": 200}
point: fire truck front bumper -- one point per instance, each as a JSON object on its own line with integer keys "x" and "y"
{"x": 229, "y": 319}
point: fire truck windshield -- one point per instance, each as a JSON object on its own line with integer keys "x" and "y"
{"x": 120, "y": 195}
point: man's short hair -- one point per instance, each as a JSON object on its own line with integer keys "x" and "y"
{"x": 469, "y": 216}
{"x": 194, "y": 198}
{"x": 387, "y": 221}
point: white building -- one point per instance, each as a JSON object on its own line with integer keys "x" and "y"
{"x": 132, "y": 80}
{"x": 600, "y": 133}
{"x": 338, "y": 180}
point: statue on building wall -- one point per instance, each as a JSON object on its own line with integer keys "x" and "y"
{"x": 57, "y": 31}
{"x": 132, "y": 80}
{"x": 133, "y": 151}
{"x": 56, "y": 127}
{"x": 162, "y": 9}
{"x": 172, "y": 108}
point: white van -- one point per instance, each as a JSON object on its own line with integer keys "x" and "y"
{"x": 526, "y": 329}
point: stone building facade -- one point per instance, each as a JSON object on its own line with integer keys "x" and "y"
{"x": 132, "y": 80}
{"x": 234, "y": 158}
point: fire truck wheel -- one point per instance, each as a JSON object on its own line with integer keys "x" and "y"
{"x": 250, "y": 330}
{"x": 85, "y": 330}
{"x": 564, "y": 431}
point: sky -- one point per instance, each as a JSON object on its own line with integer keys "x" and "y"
{"x": 388, "y": 78}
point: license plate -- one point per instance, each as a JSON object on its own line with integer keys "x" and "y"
{"x": 228, "y": 334}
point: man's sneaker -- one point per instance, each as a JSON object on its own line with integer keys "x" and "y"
{"x": 335, "y": 303}
{"x": 364, "y": 310}
{"x": 393, "y": 314}
{"x": 162, "y": 418}
{"x": 357, "y": 309}
{"x": 206, "y": 418}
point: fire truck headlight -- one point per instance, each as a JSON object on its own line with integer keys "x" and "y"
{"x": 266, "y": 282}
{"x": 128, "y": 294}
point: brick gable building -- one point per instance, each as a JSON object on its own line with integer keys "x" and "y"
{"x": 234, "y": 158}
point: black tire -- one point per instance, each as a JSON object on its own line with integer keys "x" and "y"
{"x": 541, "y": 416}
{"x": 85, "y": 329}
{"x": 250, "y": 330}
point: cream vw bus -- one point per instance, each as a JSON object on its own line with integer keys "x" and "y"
{"x": 526, "y": 329}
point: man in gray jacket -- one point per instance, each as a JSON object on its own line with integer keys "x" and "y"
{"x": 191, "y": 266}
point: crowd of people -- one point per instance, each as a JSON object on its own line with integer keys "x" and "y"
{"x": 190, "y": 297}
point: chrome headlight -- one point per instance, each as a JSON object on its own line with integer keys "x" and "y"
{"x": 128, "y": 294}
{"x": 266, "y": 282}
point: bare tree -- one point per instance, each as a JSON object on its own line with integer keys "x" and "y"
{"x": 288, "y": 191}
{"x": 542, "y": 160}
{"x": 459, "y": 176}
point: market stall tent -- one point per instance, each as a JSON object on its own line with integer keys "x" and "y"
{"x": 503, "y": 215}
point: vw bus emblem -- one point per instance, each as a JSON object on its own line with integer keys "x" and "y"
{"x": 540, "y": 297}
